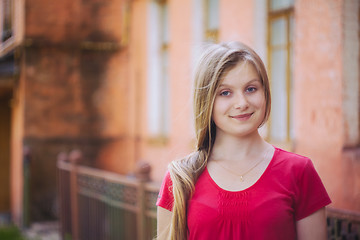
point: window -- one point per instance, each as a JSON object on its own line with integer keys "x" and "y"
{"x": 7, "y": 15}
{"x": 211, "y": 20}
{"x": 158, "y": 79}
{"x": 125, "y": 23}
{"x": 351, "y": 74}
{"x": 205, "y": 24}
{"x": 11, "y": 27}
{"x": 280, "y": 25}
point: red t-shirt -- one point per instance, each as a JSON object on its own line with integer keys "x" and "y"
{"x": 290, "y": 189}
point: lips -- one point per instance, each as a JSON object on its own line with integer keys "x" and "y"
{"x": 242, "y": 117}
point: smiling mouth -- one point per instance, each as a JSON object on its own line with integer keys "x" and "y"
{"x": 242, "y": 117}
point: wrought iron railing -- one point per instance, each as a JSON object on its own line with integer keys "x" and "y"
{"x": 97, "y": 204}
{"x": 101, "y": 205}
{"x": 343, "y": 225}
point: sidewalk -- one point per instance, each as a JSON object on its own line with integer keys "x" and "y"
{"x": 43, "y": 231}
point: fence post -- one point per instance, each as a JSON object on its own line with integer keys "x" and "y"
{"x": 26, "y": 187}
{"x": 74, "y": 158}
{"x": 143, "y": 175}
{"x": 61, "y": 157}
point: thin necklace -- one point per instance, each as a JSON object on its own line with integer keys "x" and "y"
{"x": 249, "y": 170}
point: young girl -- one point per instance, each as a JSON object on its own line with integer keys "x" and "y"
{"x": 236, "y": 185}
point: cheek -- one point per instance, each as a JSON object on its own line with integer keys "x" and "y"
{"x": 259, "y": 101}
{"x": 219, "y": 107}
{"x": 262, "y": 106}
{"x": 214, "y": 112}
{"x": 218, "y": 110}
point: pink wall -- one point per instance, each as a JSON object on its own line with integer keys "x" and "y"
{"x": 237, "y": 21}
{"x": 318, "y": 75}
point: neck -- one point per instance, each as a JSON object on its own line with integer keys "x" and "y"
{"x": 232, "y": 148}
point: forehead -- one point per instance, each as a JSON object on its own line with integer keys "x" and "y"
{"x": 242, "y": 72}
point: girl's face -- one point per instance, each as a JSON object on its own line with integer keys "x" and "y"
{"x": 239, "y": 106}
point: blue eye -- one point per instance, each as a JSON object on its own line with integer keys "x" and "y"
{"x": 225, "y": 93}
{"x": 251, "y": 89}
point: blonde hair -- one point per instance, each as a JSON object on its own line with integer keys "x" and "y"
{"x": 213, "y": 63}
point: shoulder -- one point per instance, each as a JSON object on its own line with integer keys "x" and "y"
{"x": 179, "y": 168}
{"x": 187, "y": 166}
{"x": 290, "y": 159}
{"x": 292, "y": 165}
{"x": 165, "y": 197}
{"x": 186, "y": 160}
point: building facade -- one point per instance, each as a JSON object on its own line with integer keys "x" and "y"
{"x": 114, "y": 79}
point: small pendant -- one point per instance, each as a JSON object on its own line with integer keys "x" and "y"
{"x": 241, "y": 178}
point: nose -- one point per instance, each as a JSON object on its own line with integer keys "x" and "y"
{"x": 241, "y": 102}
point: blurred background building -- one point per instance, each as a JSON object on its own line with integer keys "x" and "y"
{"x": 113, "y": 78}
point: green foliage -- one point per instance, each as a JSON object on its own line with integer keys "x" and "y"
{"x": 68, "y": 236}
{"x": 10, "y": 233}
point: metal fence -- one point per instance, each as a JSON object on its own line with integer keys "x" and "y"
{"x": 101, "y": 205}
{"x": 343, "y": 225}
{"x": 97, "y": 204}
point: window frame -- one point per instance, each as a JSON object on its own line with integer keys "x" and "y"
{"x": 17, "y": 26}
{"x": 351, "y": 93}
{"x": 288, "y": 15}
{"x": 159, "y": 53}
{"x": 210, "y": 34}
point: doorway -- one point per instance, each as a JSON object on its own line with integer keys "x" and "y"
{"x": 5, "y": 124}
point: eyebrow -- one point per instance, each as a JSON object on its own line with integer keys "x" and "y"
{"x": 249, "y": 82}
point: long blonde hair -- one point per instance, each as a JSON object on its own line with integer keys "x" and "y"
{"x": 213, "y": 63}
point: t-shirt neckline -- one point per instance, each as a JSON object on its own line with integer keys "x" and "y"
{"x": 267, "y": 169}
